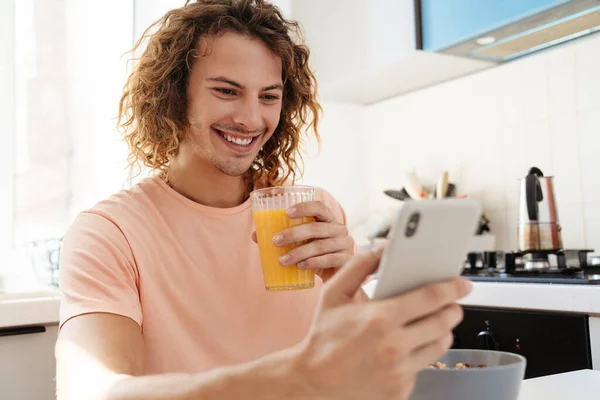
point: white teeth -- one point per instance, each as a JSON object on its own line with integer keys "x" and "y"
{"x": 242, "y": 142}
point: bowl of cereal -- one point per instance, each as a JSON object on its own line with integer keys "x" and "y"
{"x": 472, "y": 374}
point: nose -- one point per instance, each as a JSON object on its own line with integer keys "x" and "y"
{"x": 249, "y": 115}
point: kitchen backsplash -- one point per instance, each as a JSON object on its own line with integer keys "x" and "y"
{"x": 486, "y": 129}
{"x": 341, "y": 164}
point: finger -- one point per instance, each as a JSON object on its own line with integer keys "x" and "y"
{"x": 427, "y": 300}
{"x": 344, "y": 284}
{"x": 254, "y": 238}
{"x": 429, "y": 353}
{"x": 316, "y": 209}
{"x": 432, "y": 327}
{"x": 402, "y": 342}
{"x": 335, "y": 260}
{"x": 317, "y": 248}
{"x": 426, "y": 330}
{"x": 313, "y": 230}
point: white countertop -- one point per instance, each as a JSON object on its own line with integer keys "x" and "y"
{"x": 29, "y": 308}
{"x": 583, "y": 299}
{"x": 578, "y": 385}
{"x": 35, "y": 307}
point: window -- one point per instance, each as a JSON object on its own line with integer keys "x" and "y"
{"x": 63, "y": 65}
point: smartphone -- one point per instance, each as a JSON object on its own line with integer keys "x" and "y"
{"x": 428, "y": 242}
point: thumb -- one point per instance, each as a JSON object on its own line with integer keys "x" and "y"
{"x": 346, "y": 282}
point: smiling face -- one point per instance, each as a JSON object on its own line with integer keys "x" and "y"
{"x": 234, "y": 101}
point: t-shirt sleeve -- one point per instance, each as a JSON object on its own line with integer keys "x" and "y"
{"x": 98, "y": 273}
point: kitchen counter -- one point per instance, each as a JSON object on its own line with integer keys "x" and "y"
{"x": 42, "y": 306}
{"x": 583, "y": 299}
{"x": 29, "y": 308}
{"x": 577, "y": 385}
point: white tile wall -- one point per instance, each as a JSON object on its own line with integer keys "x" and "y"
{"x": 571, "y": 221}
{"x": 487, "y": 130}
{"x": 561, "y": 80}
{"x": 340, "y": 165}
{"x": 499, "y": 218}
{"x": 510, "y": 232}
{"x": 587, "y": 65}
{"x": 591, "y": 213}
{"x": 494, "y": 189}
{"x": 510, "y": 93}
{"x": 565, "y": 159}
{"x": 588, "y": 124}
{"x": 534, "y": 81}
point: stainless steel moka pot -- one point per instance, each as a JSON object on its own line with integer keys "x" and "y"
{"x": 539, "y": 229}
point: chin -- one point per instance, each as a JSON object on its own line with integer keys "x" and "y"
{"x": 232, "y": 170}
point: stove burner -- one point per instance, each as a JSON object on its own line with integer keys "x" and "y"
{"x": 538, "y": 260}
{"x": 569, "y": 266}
{"x": 537, "y": 264}
{"x": 548, "y": 272}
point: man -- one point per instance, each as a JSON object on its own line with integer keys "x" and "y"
{"x": 163, "y": 293}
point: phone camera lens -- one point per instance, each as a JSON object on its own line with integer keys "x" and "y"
{"x": 412, "y": 225}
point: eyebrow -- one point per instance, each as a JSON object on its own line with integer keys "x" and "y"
{"x": 240, "y": 86}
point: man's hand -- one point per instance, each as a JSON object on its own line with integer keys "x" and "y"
{"x": 323, "y": 245}
{"x": 375, "y": 350}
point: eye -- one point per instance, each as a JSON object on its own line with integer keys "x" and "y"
{"x": 226, "y": 91}
{"x": 270, "y": 97}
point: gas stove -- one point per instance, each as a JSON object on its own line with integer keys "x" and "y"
{"x": 569, "y": 266}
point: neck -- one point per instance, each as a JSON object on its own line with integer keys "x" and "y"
{"x": 197, "y": 179}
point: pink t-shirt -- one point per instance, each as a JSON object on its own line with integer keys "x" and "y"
{"x": 188, "y": 274}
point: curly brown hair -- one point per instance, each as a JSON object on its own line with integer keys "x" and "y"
{"x": 152, "y": 111}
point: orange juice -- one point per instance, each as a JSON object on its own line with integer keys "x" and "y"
{"x": 277, "y": 277}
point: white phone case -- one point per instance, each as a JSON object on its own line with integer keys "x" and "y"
{"x": 436, "y": 249}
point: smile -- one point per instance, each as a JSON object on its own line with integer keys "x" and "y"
{"x": 237, "y": 142}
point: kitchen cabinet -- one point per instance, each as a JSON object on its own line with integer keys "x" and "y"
{"x": 445, "y": 23}
{"x": 365, "y": 51}
{"x": 552, "y": 342}
{"x": 27, "y": 363}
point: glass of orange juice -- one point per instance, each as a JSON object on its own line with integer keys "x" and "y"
{"x": 269, "y": 207}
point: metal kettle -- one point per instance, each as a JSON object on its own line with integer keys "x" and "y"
{"x": 539, "y": 228}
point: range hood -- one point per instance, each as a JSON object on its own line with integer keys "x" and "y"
{"x": 542, "y": 29}
{"x": 367, "y": 51}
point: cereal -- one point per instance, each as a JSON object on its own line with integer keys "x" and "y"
{"x": 441, "y": 365}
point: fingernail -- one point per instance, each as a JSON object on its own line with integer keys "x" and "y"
{"x": 283, "y": 260}
{"x": 301, "y": 264}
{"x": 378, "y": 248}
{"x": 277, "y": 239}
{"x": 291, "y": 211}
